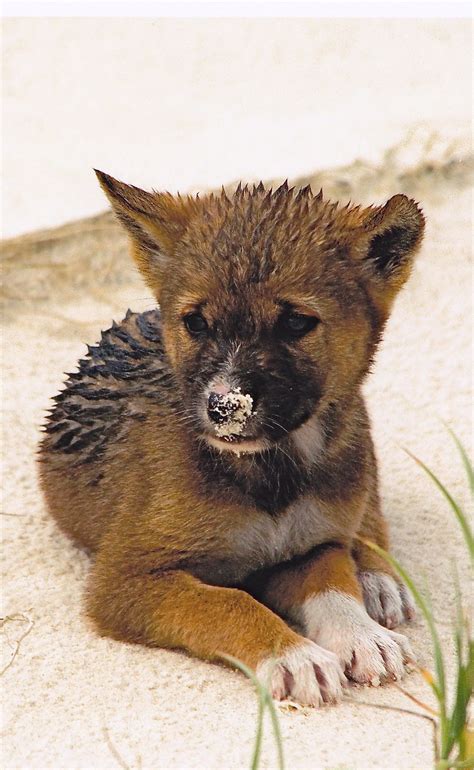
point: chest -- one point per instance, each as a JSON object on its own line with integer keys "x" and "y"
{"x": 266, "y": 540}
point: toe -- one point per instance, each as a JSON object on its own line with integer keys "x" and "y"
{"x": 408, "y": 605}
{"x": 371, "y": 591}
{"x": 278, "y": 685}
{"x": 391, "y": 602}
{"x": 386, "y": 601}
{"x": 392, "y": 658}
{"x": 408, "y": 656}
{"x": 331, "y": 681}
{"x": 367, "y": 665}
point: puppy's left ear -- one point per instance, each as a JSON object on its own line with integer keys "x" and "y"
{"x": 385, "y": 242}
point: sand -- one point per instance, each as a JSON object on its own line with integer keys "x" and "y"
{"x": 184, "y": 104}
{"x": 75, "y": 700}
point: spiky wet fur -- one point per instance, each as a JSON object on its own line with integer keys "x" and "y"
{"x": 125, "y": 464}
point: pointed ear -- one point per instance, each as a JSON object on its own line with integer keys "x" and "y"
{"x": 384, "y": 242}
{"x": 154, "y": 221}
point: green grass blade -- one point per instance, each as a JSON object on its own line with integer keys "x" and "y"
{"x": 261, "y": 707}
{"x": 459, "y": 717}
{"x": 463, "y": 688}
{"x": 459, "y": 712}
{"x": 464, "y": 457}
{"x": 257, "y": 749}
{"x": 265, "y": 699}
{"x": 277, "y": 732}
{"x": 468, "y": 535}
{"x": 447, "y": 764}
{"x": 425, "y": 609}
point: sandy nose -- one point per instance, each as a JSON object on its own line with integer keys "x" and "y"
{"x": 231, "y": 410}
{"x": 217, "y": 407}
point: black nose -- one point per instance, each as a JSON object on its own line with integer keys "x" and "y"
{"x": 221, "y": 407}
{"x": 216, "y": 408}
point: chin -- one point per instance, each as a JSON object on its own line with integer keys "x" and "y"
{"x": 238, "y": 445}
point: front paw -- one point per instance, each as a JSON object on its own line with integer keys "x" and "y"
{"x": 368, "y": 653}
{"x": 387, "y": 601}
{"x": 306, "y": 673}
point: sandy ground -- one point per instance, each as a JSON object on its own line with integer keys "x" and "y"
{"x": 190, "y": 103}
{"x": 76, "y": 701}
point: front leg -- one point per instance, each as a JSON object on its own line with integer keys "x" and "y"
{"x": 172, "y": 608}
{"x": 321, "y": 592}
{"x": 386, "y": 598}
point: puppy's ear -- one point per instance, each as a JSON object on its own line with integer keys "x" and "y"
{"x": 384, "y": 242}
{"x": 155, "y": 222}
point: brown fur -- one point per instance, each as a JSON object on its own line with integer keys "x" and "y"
{"x": 186, "y": 537}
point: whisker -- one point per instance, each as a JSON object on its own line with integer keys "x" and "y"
{"x": 277, "y": 424}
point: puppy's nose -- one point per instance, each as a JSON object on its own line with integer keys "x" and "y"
{"x": 228, "y": 407}
{"x": 215, "y": 408}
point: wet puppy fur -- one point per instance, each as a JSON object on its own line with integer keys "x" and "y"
{"x": 283, "y": 295}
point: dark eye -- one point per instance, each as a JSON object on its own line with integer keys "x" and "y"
{"x": 297, "y": 324}
{"x": 195, "y": 323}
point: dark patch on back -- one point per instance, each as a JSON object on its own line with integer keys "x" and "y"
{"x": 99, "y": 401}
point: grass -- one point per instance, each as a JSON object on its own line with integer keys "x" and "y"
{"x": 454, "y": 740}
{"x": 454, "y": 745}
{"x": 265, "y": 701}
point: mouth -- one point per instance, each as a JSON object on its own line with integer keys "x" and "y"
{"x": 237, "y": 444}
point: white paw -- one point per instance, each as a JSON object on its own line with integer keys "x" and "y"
{"x": 388, "y": 602}
{"x": 306, "y": 673}
{"x": 368, "y": 653}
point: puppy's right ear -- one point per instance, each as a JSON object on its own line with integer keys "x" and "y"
{"x": 155, "y": 222}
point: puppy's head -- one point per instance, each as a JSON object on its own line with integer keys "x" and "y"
{"x": 272, "y": 302}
